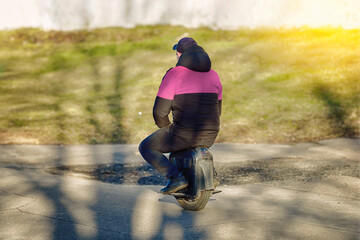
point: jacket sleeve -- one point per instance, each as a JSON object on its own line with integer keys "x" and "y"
{"x": 220, "y": 106}
{"x": 161, "y": 110}
{"x": 164, "y": 99}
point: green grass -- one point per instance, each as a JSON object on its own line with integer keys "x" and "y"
{"x": 285, "y": 85}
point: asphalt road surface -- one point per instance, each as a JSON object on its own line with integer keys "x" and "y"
{"x": 300, "y": 191}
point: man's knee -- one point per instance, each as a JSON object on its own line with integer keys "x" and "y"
{"x": 145, "y": 146}
{"x": 142, "y": 147}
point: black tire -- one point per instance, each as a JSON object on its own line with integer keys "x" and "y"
{"x": 197, "y": 204}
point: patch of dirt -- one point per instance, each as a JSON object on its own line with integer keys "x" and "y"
{"x": 113, "y": 173}
{"x": 274, "y": 170}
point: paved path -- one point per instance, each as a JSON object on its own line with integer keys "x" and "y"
{"x": 37, "y": 205}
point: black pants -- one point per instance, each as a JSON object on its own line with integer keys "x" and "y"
{"x": 165, "y": 141}
{"x": 162, "y": 141}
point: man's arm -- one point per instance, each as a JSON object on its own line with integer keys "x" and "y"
{"x": 220, "y": 106}
{"x": 161, "y": 110}
{"x": 164, "y": 99}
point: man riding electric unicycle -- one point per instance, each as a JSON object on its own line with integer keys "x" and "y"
{"x": 192, "y": 91}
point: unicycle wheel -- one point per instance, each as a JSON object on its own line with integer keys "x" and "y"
{"x": 195, "y": 204}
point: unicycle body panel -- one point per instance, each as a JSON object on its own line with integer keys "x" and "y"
{"x": 197, "y": 165}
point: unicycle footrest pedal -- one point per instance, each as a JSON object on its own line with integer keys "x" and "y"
{"x": 179, "y": 195}
{"x": 216, "y": 191}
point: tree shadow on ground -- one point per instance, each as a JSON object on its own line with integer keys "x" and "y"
{"x": 336, "y": 111}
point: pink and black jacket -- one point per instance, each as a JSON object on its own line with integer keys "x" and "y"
{"x": 193, "y": 92}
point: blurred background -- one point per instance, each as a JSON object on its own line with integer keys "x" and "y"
{"x": 87, "y": 71}
{"x": 215, "y": 14}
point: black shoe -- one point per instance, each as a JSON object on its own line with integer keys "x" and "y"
{"x": 175, "y": 185}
